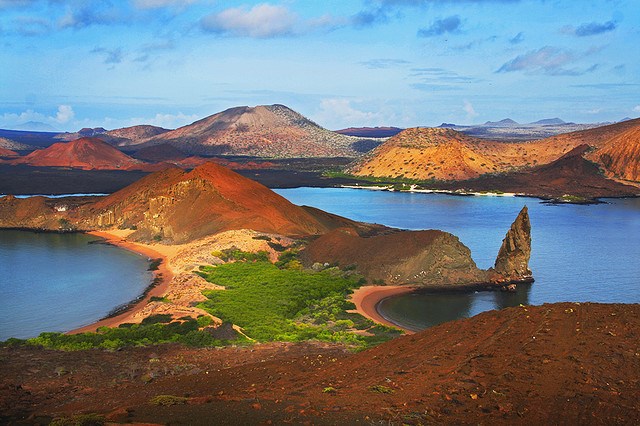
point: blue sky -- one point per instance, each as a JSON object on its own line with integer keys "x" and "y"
{"x": 74, "y": 64}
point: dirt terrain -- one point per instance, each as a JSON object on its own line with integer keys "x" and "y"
{"x": 564, "y": 363}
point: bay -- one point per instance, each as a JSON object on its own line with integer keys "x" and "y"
{"x": 580, "y": 253}
{"x": 59, "y": 282}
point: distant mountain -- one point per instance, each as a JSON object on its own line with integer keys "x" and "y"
{"x": 88, "y": 132}
{"x": 549, "y": 122}
{"x": 84, "y": 153}
{"x": 507, "y": 122}
{"x": 370, "y": 132}
{"x": 136, "y": 133}
{"x": 35, "y": 126}
{"x": 263, "y": 131}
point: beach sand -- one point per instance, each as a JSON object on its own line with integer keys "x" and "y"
{"x": 366, "y": 299}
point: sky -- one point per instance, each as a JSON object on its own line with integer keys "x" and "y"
{"x": 342, "y": 63}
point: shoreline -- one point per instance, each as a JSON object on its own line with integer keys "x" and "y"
{"x": 163, "y": 272}
{"x": 366, "y": 299}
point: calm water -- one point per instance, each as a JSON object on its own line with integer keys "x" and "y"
{"x": 58, "y": 282}
{"x": 579, "y": 253}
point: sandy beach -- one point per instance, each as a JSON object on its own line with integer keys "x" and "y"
{"x": 366, "y": 299}
{"x": 117, "y": 238}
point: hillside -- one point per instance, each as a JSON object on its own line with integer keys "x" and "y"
{"x": 13, "y": 145}
{"x": 448, "y": 155}
{"x": 565, "y": 363}
{"x": 620, "y": 155}
{"x": 426, "y": 153}
{"x": 84, "y": 153}
{"x": 7, "y": 153}
{"x": 179, "y": 206}
{"x": 263, "y": 131}
{"x": 135, "y": 133}
{"x": 158, "y": 153}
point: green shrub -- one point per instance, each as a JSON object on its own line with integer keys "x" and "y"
{"x": 167, "y": 400}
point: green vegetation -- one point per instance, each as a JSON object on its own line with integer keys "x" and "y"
{"x": 241, "y": 256}
{"x": 381, "y": 389}
{"x": 187, "y": 332}
{"x": 168, "y": 400}
{"x": 80, "y": 420}
{"x": 292, "y": 304}
{"x": 154, "y": 264}
{"x": 271, "y": 302}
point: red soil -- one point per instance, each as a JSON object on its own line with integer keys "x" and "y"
{"x": 84, "y": 153}
{"x": 552, "y": 364}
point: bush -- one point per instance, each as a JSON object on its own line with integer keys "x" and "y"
{"x": 167, "y": 400}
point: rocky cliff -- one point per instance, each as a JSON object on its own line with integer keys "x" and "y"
{"x": 512, "y": 263}
{"x": 431, "y": 259}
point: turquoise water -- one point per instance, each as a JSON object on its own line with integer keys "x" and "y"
{"x": 58, "y": 282}
{"x": 579, "y": 253}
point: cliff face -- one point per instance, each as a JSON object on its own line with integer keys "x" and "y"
{"x": 512, "y": 263}
{"x": 432, "y": 258}
{"x": 427, "y": 258}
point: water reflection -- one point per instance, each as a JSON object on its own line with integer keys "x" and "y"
{"x": 417, "y": 311}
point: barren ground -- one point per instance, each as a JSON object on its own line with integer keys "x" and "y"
{"x": 552, "y": 364}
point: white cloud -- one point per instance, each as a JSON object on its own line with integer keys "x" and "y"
{"x": 339, "y": 113}
{"x": 261, "y": 21}
{"x": 65, "y": 114}
{"x": 468, "y": 108}
{"x": 636, "y": 108}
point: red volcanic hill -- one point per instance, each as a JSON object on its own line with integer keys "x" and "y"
{"x": 620, "y": 155}
{"x": 84, "y": 153}
{"x": 263, "y": 131}
{"x": 179, "y": 206}
{"x": 7, "y": 153}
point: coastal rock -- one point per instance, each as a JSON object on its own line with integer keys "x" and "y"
{"x": 512, "y": 263}
{"x": 429, "y": 258}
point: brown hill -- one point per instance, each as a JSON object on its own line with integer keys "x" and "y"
{"x": 620, "y": 155}
{"x": 570, "y": 174}
{"x": 264, "y": 131}
{"x": 123, "y": 136}
{"x": 425, "y": 153}
{"x": 565, "y": 363}
{"x": 84, "y": 153}
{"x": 7, "y": 153}
{"x": 179, "y": 206}
{"x": 136, "y": 133}
{"x": 432, "y": 258}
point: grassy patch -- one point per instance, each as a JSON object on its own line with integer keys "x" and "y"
{"x": 235, "y": 254}
{"x": 168, "y": 400}
{"x": 273, "y": 304}
{"x": 185, "y": 332}
{"x": 381, "y": 389}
